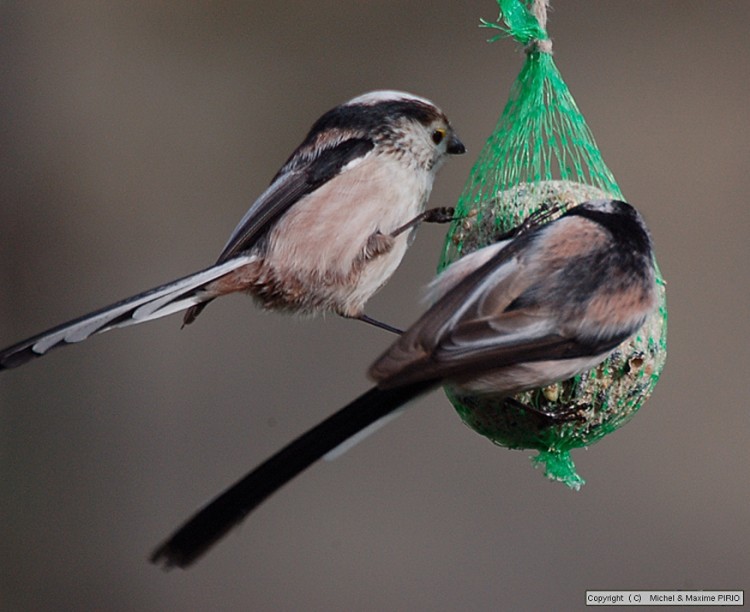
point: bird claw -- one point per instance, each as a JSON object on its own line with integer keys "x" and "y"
{"x": 567, "y": 414}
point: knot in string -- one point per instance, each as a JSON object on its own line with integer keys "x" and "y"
{"x": 539, "y": 46}
{"x": 526, "y": 22}
{"x": 538, "y": 8}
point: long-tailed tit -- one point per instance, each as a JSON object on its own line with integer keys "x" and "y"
{"x": 326, "y": 235}
{"x": 545, "y": 305}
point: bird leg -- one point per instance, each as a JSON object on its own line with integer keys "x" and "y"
{"x": 535, "y": 219}
{"x": 554, "y": 418}
{"x": 443, "y": 214}
{"x": 375, "y": 323}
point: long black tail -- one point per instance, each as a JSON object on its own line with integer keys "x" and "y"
{"x": 153, "y": 304}
{"x": 217, "y": 518}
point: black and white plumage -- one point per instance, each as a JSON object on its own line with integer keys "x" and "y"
{"x": 326, "y": 235}
{"x": 540, "y": 307}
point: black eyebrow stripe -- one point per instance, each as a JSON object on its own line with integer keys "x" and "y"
{"x": 367, "y": 117}
{"x": 622, "y": 224}
{"x": 330, "y": 162}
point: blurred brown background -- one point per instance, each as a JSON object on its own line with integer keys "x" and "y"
{"x": 135, "y": 135}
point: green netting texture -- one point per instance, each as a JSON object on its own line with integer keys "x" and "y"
{"x": 541, "y": 152}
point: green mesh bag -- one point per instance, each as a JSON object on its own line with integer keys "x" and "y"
{"x": 542, "y": 153}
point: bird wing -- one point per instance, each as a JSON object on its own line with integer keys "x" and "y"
{"x": 493, "y": 317}
{"x": 301, "y": 175}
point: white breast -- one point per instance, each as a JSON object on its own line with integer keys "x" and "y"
{"x": 322, "y": 236}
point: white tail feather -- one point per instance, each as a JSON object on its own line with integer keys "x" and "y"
{"x": 154, "y": 304}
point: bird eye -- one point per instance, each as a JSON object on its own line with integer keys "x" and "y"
{"x": 438, "y": 135}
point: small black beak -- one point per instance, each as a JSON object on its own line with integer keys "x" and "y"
{"x": 455, "y": 146}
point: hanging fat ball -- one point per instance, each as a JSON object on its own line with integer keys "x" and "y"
{"x": 542, "y": 155}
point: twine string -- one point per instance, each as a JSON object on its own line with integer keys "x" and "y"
{"x": 539, "y": 10}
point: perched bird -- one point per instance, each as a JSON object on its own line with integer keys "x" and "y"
{"x": 546, "y": 304}
{"x": 326, "y": 235}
